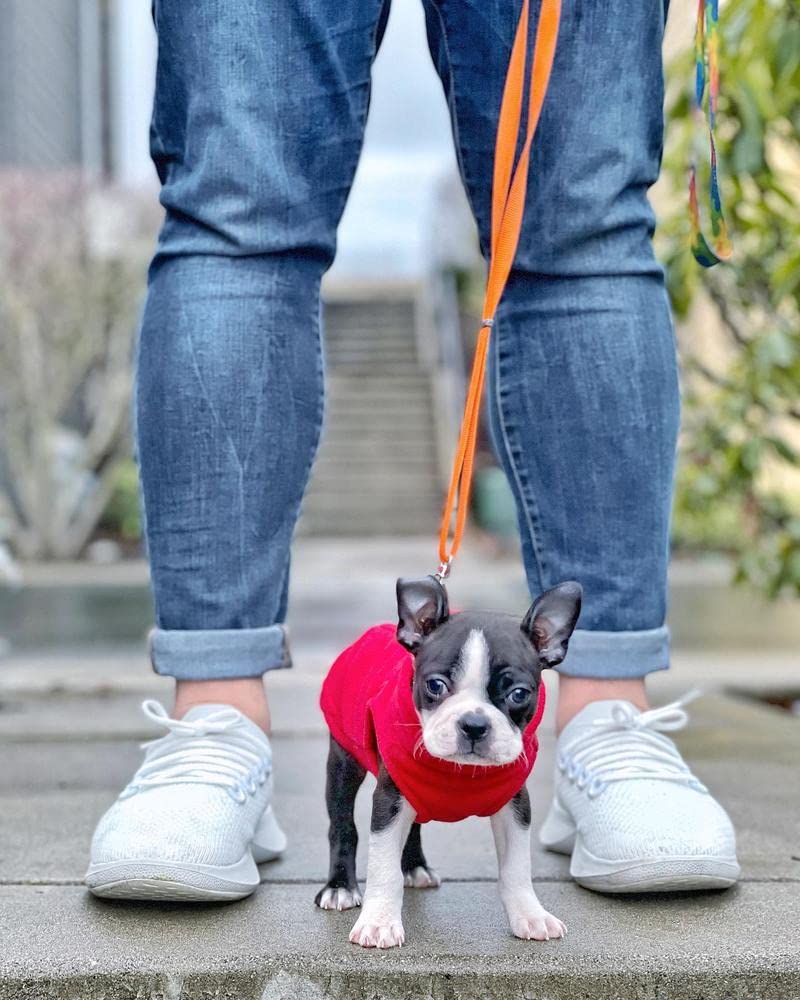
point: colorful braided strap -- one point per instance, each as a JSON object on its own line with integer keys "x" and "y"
{"x": 706, "y": 50}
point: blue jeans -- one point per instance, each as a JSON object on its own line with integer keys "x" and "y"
{"x": 257, "y": 127}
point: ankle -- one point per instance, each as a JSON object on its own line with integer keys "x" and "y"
{"x": 246, "y": 694}
{"x": 575, "y": 693}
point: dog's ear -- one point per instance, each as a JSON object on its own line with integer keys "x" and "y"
{"x": 421, "y": 606}
{"x": 551, "y": 620}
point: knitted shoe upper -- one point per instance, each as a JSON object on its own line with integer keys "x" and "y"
{"x": 629, "y": 791}
{"x": 197, "y": 796}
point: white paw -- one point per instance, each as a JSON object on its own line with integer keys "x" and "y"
{"x": 536, "y": 925}
{"x": 422, "y": 878}
{"x": 338, "y": 899}
{"x": 374, "y": 934}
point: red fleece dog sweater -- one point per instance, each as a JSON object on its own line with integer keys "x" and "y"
{"x": 367, "y": 702}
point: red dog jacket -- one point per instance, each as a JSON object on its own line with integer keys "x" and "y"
{"x": 367, "y": 702}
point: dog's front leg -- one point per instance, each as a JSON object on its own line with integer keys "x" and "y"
{"x": 512, "y": 838}
{"x": 380, "y": 923}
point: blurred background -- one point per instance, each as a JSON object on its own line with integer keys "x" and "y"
{"x": 78, "y": 219}
{"x": 79, "y": 215}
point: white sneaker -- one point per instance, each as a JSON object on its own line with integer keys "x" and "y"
{"x": 629, "y": 810}
{"x": 196, "y": 817}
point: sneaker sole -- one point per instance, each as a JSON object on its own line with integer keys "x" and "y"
{"x": 173, "y": 880}
{"x": 671, "y": 874}
{"x": 676, "y": 873}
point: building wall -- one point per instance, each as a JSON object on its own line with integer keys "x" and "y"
{"x": 132, "y": 59}
{"x": 40, "y": 83}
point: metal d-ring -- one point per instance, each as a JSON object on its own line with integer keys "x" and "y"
{"x": 443, "y": 571}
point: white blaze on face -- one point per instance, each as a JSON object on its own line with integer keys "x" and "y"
{"x": 469, "y": 693}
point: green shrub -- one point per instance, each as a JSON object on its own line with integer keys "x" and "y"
{"x": 742, "y": 410}
{"x": 122, "y": 516}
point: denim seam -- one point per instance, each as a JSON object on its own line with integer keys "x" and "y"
{"x": 526, "y": 499}
{"x": 232, "y": 446}
{"x": 244, "y": 461}
{"x": 364, "y": 109}
{"x": 454, "y": 124}
{"x": 320, "y": 413}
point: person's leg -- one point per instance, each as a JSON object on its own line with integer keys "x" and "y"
{"x": 257, "y": 127}
{"x": 584, "y": 411}
{"x": 583, "y": 391}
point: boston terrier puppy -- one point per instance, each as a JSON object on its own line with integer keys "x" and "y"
{"x": 443, "y": 710}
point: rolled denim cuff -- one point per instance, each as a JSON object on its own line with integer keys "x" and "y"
{"x": 607, "y": 655}
{"x": 219, "y": 654}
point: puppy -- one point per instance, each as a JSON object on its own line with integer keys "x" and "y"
{"x": 443, "y": 710}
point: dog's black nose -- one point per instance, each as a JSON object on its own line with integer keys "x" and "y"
{"x": 474, "y": 726}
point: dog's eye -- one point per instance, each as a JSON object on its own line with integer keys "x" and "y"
{"x": 435, "y": 687}
{"x": 519, "y": 696}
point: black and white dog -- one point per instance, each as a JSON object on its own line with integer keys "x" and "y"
{"x": 474, "y": 682}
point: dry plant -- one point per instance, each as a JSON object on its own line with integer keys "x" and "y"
{"x": 73, "y": 259}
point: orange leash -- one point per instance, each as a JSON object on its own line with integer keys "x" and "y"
{"x": 509, "y": 186}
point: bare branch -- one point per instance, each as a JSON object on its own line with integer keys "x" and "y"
{"x": 70, "y": 285}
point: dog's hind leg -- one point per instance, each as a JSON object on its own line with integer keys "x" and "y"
{"x": 345, "y": 776}
{"x": 417, "y": 873}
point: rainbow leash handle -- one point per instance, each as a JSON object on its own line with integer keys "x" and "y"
{"x": 706, "y": 50}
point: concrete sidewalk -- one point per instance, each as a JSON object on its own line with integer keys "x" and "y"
{"x": 69, "y": 729}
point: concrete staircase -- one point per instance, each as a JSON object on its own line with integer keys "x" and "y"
{"x": 377, "y": 468}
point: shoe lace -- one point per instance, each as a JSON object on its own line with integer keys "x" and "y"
{"x": 214, "y": 750}
{"x": 627, "y": 745}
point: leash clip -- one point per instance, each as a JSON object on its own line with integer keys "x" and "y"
{"x": 443, "y": 571}
{"x": 488, "y": 321}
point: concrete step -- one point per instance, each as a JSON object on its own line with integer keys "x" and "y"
{"x": 343, "y": 524}
{"x": 381, "y": 383}
{"x": 369, "y": 491}
{"x": 344, "y": 528}
{"x": 358, "y": 368}
{"x": 59, "y": 942}
{"x": 403, "y": 430}
{"x": 380, "y": 359}
{"x": 395, "y": 420}
{"x": 360, "y": 456}
{"x": 350, "y": 524}
{"x": 411, "y": 480}
{"x": 360, "y": 342}
{"x": 374, "y": 344}
{"x": 354, "y": 338}
{"x": 355, "y": 328}
{"x": 383, "y": 315}
{"x": 377, "y": 393}
{"x": 392, "y": 321}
